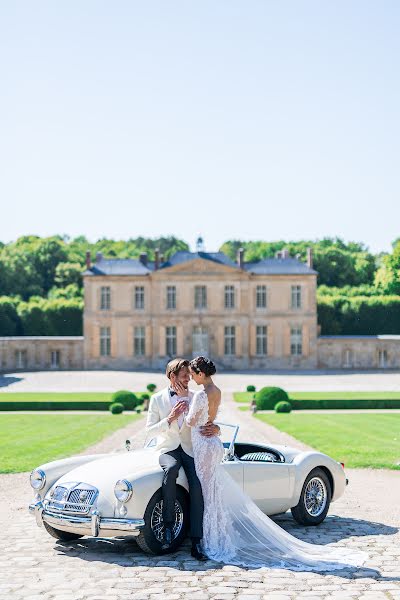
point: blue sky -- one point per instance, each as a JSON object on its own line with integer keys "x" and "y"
{"x": 237, "y": 120}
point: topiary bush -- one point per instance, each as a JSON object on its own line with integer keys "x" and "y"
{"x": 251, "y": 388}
{"x": 129, "y": 400}
{"x": 151, "y": 387}
{"x": 116, "y": 408}
{"x": 267, "y": 397}
{"x": 283, "y": 407}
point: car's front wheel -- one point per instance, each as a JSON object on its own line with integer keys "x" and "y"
{"x": 315, "y": 499}
{"x": 64, "y": 536}
{"x": 150, "y": 538}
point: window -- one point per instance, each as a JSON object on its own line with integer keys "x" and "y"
{"x": 382, "y": 358}
{"x": 261, "y": 340}
{"x": 21, "y": 359}
{"x": 296, "y": 296}
{"x": 296, "y": 338}
{"x": 229, "y": 296}
{"x": 139, "y": 341}
{"x": 55, "y": 359}
{"x": 230, "y": 341}
{"x": 171, "y": 297}
{"x": 170, "y": 340}
{"x": 261, "y": 296}
{"x": 200, "y": 296}
{"x": 105, "y": 341}
{"x": 139, "y": 297}
{"x": 105, "y": 298}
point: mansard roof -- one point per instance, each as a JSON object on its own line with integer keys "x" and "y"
{"x": 131, "y": 266}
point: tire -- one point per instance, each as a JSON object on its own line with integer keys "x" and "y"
{"x": 315, "y": 499}
{"x": 149, "y": 539}
{"x": 64, "y": 536}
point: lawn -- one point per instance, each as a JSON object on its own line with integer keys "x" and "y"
{"x": 26, "y": 441}
{"x": 248, "y": 396}
{"x": 358, "y": 440}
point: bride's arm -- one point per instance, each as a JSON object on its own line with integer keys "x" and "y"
{"x": 199, "y": 401}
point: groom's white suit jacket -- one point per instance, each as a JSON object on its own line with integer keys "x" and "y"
{"x": 169, "y": 437}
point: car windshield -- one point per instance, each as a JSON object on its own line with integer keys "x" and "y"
{"x": 228, "y": 436}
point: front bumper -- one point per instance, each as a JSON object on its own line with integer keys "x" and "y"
{"x": 93, "y": 524}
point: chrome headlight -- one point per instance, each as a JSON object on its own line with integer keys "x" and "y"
{"x": 123, "y": 490}
{"x": 38, "y": 479}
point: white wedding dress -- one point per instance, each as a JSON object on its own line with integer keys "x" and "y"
{"x": 236, "y": 531}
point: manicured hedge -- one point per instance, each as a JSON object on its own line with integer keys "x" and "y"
{"x": 129, "y": 400}
{"x": 342, "y": 404}
{"x": 268, "y": 397}
{"x": 43, "y": 405}
{"x": 283, "y": 407}
{"x": 359, "y": 315}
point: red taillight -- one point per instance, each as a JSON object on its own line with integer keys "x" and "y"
{"x": 342, "y": 465}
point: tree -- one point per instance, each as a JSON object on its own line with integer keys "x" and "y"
{"x": 67, "y": 273}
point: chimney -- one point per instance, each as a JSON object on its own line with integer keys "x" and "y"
{"x": 240, "y": 258}
{"x": 161, "y": 259}
{"x": 310, "y": 257}
{"x": 88, "y": 259}
{"x": 278, "y": 254}
{"x": 99, "y": 256}
{"x": 157, "y": 259}
{"x": 285, "y": 253}
{"x": 143, "y": 258}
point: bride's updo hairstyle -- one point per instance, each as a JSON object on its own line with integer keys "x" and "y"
{"x": 200, "y": 364}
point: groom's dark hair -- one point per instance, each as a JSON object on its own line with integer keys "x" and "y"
{"x": 175, "y": 365}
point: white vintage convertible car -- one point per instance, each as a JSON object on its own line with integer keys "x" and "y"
{"x": 119, "y": 494}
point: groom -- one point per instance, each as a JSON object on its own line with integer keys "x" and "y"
{"x": 166, "y": 419}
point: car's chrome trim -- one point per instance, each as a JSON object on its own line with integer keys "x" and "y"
{"x": 89, "y": 525}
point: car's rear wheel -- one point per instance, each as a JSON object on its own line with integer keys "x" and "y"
{"x": 315, "y": 499}
{"x": 65, "y": 536}
{"x": 151, "y": 536}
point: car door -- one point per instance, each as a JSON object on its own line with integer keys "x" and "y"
{"x": 268, "y": 485}
{"x": 235, "y": 470}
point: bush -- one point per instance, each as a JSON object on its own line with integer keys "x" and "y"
{"x": 145, "y": 396}
{"x": 267, "y": 397}
{"x": 128, "y": 399}
{"x": 117, "y": 408}
{"x": 151, "y": 387}
{"x": 283, "y": 407}
{"x": 251, "y": 388}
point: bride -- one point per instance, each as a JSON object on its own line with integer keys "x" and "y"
{"x": 236, "y": 531}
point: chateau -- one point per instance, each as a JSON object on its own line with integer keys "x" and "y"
{"x": 244, "y": 315}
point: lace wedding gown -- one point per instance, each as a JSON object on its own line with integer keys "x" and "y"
{"x": 236, "y": 531}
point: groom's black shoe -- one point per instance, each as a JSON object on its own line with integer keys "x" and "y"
{"x": 167, "y": 539}
{"x": 197, "y": 553}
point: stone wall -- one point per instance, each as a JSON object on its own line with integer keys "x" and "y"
{"x": 38, "y": 353}
{"x": 359, "y": 352}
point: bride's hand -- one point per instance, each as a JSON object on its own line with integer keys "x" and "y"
{"x": 180, "y": 389}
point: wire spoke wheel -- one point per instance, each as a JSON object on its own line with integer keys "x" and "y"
{"x": 315, "y": 496}
{"x": 157, "y": 523}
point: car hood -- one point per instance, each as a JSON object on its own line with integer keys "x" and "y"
{"x": 106, "y": 471}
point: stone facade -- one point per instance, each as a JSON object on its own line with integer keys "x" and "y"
{"x": 237, "y": 327}
{"x": 359, "y": 352}
{"x": 31, "y": 353}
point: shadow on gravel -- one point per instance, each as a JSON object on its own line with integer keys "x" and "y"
{"x": 334, "y": 529}
{"x": 5, "y": 380}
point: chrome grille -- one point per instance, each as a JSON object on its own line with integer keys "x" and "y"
{"x": 76, "y": 500}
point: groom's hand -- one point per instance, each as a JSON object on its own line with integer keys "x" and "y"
{"x": 181, "y": 390}
{"x": 178, "y": 409}
{"x": 210, "y": 429}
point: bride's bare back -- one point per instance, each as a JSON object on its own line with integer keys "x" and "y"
{"x": 214, "y": 401}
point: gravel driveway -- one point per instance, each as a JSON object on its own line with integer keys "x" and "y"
{"x": 34, "y": 566}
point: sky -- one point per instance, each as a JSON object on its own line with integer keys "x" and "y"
{"x": 230, "y": 119}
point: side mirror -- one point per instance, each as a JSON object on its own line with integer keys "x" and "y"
{"x": 128, "y": 445}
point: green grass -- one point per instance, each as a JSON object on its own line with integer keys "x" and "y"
{"x": 26, "y": 441}
{"x": 248, "y": 396}
{"x": 360, "y": 440}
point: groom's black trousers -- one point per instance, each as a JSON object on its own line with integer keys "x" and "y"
{"x": 171, "y": 462}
